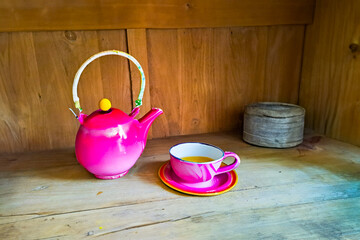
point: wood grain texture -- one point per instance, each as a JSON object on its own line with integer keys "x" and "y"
{"x": 203, "y": 78}
{"x": 36, "y": 75}
{"x": 330, "y": 84}
{"x": 307, "y": 192}
{"x": 283, "y": 63}
{"x": 17, "y": 15}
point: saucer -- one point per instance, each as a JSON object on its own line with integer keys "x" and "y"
{"x": 219, "y": 184}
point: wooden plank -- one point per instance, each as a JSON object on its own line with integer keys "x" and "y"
{"x": 330, "y": 76}
{"x": 239, "y": 73}
{"x": 251, "y": 223}
{"x": 283, "y": 65}
{"x": 307, "y": 192}
{"x": 308, "y": 220}
{"x": 86, "y": 15}
{"x": 137, "y": 45}
{"x": 37, "y": 71}
{"x": 203, "y": 78}
{"x": 21, "y": 86}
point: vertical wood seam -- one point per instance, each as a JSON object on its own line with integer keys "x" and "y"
{"x": 129, "y": 69}
{"x": 301, "y": 65}
{"x": 137, "y": 47}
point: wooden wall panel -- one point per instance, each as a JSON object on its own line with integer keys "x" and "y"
{"x": 203, "y": 78}
{"x": 34, "y": 15}
{"x": 22, "y": 116}
{"x": 330, "y": 86}
{"x": 36, "y": 75}
{"x": 283, "y": 65}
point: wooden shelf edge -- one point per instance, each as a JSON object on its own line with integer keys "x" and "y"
{"x": 38, "y": 15}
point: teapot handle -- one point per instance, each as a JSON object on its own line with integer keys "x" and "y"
{"x": 76, "y": 99}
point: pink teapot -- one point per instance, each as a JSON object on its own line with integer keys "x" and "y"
{"x": 109, "y": 141}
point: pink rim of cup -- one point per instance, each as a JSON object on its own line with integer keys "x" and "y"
{"x": 199, "y": 172}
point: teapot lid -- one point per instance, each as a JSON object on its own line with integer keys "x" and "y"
{"x": 106, "y": 117}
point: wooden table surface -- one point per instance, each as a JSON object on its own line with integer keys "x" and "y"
{"x": 308, "y": 192}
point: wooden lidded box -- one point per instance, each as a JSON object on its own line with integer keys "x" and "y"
{"x": 273, "y": 124}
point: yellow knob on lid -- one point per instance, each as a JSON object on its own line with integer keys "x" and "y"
{"x": 105, "y": 104}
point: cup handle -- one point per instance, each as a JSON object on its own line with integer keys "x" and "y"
{"x": 232, "y": 166}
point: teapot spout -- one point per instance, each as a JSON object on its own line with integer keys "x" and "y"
{"x": 147, "y": 120}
